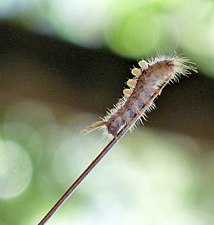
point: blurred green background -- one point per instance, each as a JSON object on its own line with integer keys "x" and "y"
{"x": 62, "y": 64}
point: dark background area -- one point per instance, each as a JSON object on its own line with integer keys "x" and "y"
{"x": 47, "y": 69}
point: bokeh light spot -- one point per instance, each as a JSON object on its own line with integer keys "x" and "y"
{"x": 9, "y": 7}
{"x": 138, "y": 33}
{"x": 15, "y": 169}
{"x": 80, "y": 21}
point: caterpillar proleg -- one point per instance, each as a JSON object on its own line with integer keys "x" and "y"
{"x": 148, "y": 82}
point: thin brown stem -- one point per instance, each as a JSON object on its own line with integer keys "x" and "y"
{"x": 72, "y": 188}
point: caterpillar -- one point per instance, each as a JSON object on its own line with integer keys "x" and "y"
{"x": 148, "y": 82}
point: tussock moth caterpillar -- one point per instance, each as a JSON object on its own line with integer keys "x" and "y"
{"x": 148, "y": 82}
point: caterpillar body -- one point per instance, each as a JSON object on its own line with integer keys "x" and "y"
{"x": 148, "y": 82}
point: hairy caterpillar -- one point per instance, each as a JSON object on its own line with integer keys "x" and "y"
{"x": 148, "y": 82}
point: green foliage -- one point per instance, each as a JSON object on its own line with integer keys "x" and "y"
{"x": 131, "y": 29}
